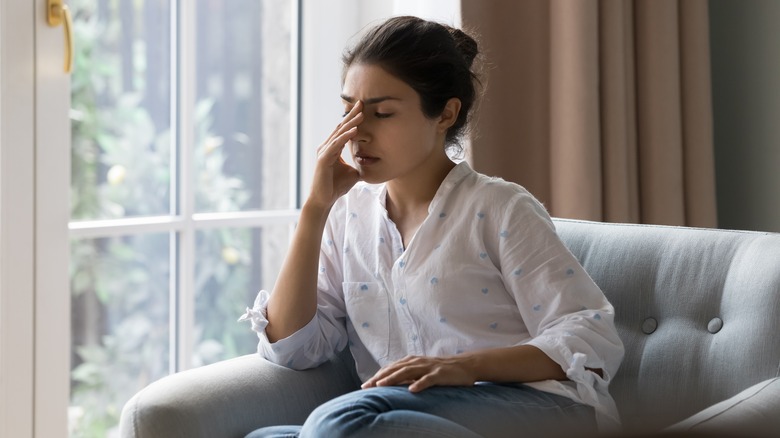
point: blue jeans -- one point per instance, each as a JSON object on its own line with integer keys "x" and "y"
{"x": 488, "y": 410}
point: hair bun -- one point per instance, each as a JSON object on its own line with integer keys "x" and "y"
{"x": 466, "y": 44}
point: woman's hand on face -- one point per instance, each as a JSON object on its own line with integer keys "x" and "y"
{"x": 423, "y": 372}
{"x": 332, "y": 176}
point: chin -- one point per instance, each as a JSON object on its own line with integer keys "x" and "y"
{"x": 371, "y": 177}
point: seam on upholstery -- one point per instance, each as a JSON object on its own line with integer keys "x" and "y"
{"x": 758, "y": 391}
{"x": 135, "y": 414}
{"x": 676, "y": 227}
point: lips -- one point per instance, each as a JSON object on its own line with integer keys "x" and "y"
{"x": 364, "y": 159}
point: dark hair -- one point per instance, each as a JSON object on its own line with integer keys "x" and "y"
{"x": 434, "y": 59}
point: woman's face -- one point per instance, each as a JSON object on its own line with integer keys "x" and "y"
{"x": 395, "y": 138}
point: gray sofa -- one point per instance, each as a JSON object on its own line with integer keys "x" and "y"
{"x": 697, "y": 309}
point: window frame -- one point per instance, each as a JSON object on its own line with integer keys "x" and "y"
{"x": 182, "y": 223}
{"x": 34, "y": 203}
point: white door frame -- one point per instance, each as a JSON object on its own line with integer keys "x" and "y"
{"x": 34, "y": 211}
{"x": 52, "y": 244}
{"x": 17, "y": 91}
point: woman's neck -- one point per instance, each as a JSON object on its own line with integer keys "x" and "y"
{"x": 411, "y": 194}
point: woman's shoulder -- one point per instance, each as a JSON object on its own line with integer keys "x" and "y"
{"x": 499, "y": 195}
{"x": 494, "y": 189}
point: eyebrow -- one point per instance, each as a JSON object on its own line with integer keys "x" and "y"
{"x": 370, "y": 100}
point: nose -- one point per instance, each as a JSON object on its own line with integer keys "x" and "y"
{"x": 363, "y": 133}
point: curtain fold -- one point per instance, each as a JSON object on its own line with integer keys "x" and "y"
{"x": 601, "y": 108}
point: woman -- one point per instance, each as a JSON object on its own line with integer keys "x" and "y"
{"x": 464, "y": 312}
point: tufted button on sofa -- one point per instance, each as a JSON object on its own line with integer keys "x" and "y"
{"x": 697, "y": 309}
{"x": 699, "y": 313}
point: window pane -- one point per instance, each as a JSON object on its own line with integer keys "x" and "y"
{"x": 242, "y": 113}
{"x": 120, "y": 90}
{"x": 120, "y": 325}
{"x": 232, "y": 266}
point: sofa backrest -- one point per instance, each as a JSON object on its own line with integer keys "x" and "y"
{"x": 697, "y": 309}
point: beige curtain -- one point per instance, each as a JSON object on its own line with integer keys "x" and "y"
{"x": 601, "y": 108}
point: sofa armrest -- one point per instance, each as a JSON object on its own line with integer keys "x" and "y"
{"x": 754, "y": 412}
{"x": 233, "y": 397}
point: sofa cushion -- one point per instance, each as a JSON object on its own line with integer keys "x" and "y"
{"x": 697, "y": 309}
{"x": 753, "y": 412}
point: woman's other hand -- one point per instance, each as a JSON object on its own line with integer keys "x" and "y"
{"x": 421, "y": 372}
{"x": 520, "y": 363}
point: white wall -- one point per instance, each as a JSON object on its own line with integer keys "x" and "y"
{"x": 745, "y": 49}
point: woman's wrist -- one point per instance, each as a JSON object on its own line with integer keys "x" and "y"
{"x": 315, "y": 209}
{"x": 522, "y": 363}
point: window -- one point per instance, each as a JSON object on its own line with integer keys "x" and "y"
{"x": 183, "y": 187}
{"x": 187, "y": 174}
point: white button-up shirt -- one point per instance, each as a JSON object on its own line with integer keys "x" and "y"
{"x": 485, "y": 269}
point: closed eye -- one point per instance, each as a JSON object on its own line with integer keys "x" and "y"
{"x": 382, "y": 115}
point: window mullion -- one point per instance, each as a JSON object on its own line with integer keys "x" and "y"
{"x": 184, "y": 309}
{"x": 295, "y": 104}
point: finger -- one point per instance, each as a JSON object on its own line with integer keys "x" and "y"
{"x": 397, "y": 365}
{"x": 356, "y": 109}
{"x": 355, "y": 112}
{"x": 404, "y": 375}
{"x": 383, "y": 377}
{"x": 424, "y": 382}
{"x": 332, "y": 150}
{"x": 393, "y": 368}
{"x": 381, "y": 374}
{"x": 345, "y": 126}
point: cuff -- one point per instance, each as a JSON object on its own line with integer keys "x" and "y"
{"x": 258, "y": 313}
{"x": 591, "y": 388}
{"x": 290, "y": 351}
{"x": 287, "y": 351}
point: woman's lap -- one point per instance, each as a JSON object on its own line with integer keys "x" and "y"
{"x": 479, "y": 410}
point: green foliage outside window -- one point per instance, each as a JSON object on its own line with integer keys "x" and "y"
{"x": 120, "y": 286}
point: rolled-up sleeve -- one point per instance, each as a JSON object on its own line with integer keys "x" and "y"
{"x": 567, "y": 315}
{"x": 308, "y": 347}
{"x": 325, "y": 334}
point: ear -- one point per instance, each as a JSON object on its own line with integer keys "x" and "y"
{"x": 449, "y": 115}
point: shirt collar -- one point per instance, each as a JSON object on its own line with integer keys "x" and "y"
{"x": 452, "y": 179}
